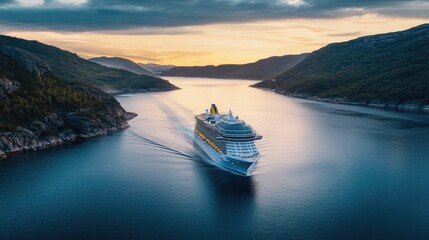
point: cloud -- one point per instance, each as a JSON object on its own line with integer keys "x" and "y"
{"x": 29, "y": 3}
{"x": 150, "y": 56}
{"x": 295, "y": 3}
{"x": 346, "y": 34}
{"x": 153, "y": 31}
{"x": 3, "y": 2}
{"x": 64, "y": 2}
{"x": 90, "y": 15}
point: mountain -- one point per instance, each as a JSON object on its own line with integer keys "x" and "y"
{"x": 156, "y": 68}
{"x": 387, "y": 70}
{"x": 121, "y": 63}
{"x": 262, "y": 69}
{"x": 39, "y": 110}
{"x": 71, "y": 68}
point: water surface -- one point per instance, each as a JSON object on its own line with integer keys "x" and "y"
{"x": 327, "y": 171}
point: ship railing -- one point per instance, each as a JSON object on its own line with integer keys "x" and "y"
{"x": 236, "y": 137}
{"x": 223, "y": 133}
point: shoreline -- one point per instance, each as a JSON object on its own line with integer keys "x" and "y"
{"x": 409, "y": 106}
{"x": 24, "y": 140}
{"x": 217, "y": 78}
{"x": 131, "y": 91}
{"x": 66, "y": 128}
{"x": 31, "y": 138}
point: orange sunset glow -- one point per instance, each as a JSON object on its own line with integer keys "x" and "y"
{"x": 215, "y": 44}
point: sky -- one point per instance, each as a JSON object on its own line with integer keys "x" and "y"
{"x": 203, "y": 32}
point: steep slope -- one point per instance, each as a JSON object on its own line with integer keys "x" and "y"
{"x": 387, "y": 70}
{"x": 262, "y": 69}
{"x": 71, "y": 68}
{"x": 121, "y": 63}
{"x": 38, "y": 110}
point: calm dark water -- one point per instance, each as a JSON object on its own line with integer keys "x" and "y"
{"x": 327, "y": 172}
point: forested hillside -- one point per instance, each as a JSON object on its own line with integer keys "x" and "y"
{"x": 71, "y": 68}
{"x": 260, "y": 70}
{"x": 385, "y": 70}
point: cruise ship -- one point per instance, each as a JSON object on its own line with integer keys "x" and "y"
{"x": 227, "y": 140}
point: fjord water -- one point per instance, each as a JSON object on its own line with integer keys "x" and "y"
{"x": 327, "y": 172}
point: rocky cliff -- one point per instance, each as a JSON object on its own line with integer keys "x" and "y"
{"x": 61, "y": 128}
{"x": 38, "y": 110}
{"x": 57, "y": 129}
{"x": 26, "y": 60}
{"x": 7, "y": 87}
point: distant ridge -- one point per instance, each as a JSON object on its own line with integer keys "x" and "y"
{"x": 260, "y": 70}
{"x": 157, "y": 69}
{"x": 69, "y": 67}
{"x": 121, "y": 63}
{"x": 387, "y": 70}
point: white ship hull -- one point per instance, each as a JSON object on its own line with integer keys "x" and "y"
{"x": 241, "y": 166}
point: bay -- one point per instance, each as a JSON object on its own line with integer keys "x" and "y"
{"x": 327, "y": 171}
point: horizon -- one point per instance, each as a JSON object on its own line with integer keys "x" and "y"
{"x": 192, "y": 33}
{"x": 326, "y": 136}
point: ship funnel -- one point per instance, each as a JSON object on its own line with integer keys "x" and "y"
{"x": 231, "y": 117}
{"x": 213, "y": 109}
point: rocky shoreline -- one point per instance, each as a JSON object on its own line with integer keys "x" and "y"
{"x": 408, "y": 106}
{"x": 39, "y": 109}
{"x": 132, "y": 91}
{"x": 58, "y": 129}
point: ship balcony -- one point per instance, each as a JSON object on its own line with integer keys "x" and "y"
{"x": 244, "y": 158}
{"x": 242, "y": 150}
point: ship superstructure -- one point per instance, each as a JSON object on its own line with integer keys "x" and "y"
{"x": 227, "y": 140}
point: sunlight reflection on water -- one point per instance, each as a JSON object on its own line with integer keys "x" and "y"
{"x": 326, "y": 171}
